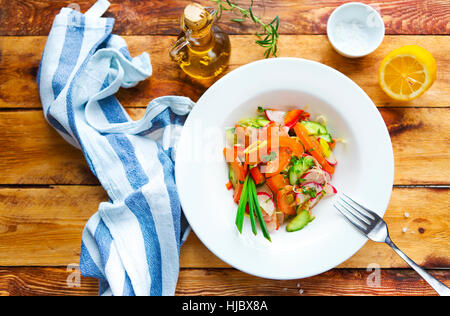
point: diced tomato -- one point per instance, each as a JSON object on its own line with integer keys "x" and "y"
{"x": 277, "y": 165}
{"x": 304, "y": 116}
{"x": 276, "y": 183}
{"x": 286, "y": 201}
{"x": 229, "y": 185}
{"x": 257, "y": 175}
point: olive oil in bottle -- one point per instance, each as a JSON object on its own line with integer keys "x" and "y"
{"x": 202, "y": 49}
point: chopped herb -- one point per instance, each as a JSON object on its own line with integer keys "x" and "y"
{"x": 260, "y": 109}
{"x": 272, "y": 156}
{"x": 311, "y": 192}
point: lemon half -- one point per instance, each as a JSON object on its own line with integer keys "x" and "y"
{"x": 407, "y": 72}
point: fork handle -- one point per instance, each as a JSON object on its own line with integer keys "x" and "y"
{"x": 437, "y": 285}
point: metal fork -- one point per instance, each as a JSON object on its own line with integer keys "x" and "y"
{"x": 375, "y": 228}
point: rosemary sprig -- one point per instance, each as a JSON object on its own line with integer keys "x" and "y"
{"x": 269, "y": 37}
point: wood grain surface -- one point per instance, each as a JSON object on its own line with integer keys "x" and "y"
{"x": 42, "y": 227}
{"x": 33, "y": 153}
{"x": 20, "y": 57}
{"x": 143, "y": 17}
{"x": 53, "y": 281}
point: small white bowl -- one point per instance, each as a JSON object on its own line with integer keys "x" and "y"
{"x": 355, "y": 29}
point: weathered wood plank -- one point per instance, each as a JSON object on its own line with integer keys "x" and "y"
{"x": 20, "y": 57}
{"x": 43, "y": 281}
{"x": 335, "y": 282}
{"x": 43, "y": 226}
{"x": 33, "y": 153}
{"x": 414, "y": 136}
{"x": 141, "y": 17}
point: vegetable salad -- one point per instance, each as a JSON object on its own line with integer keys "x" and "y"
{"x": 280, "y": 165}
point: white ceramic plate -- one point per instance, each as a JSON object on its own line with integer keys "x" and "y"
{"x": 365, "y": 166}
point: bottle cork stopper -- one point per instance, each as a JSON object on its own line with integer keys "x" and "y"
{"x": 195, "y": 16}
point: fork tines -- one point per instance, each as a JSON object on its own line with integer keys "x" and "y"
{"x": 355, "y": 213}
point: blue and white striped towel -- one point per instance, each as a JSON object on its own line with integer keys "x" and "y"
{"x": 132, "y": 243}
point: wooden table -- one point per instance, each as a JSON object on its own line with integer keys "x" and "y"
{"x": 47, "y": 192}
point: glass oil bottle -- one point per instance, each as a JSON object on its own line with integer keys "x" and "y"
{"x": 202, "y": 49}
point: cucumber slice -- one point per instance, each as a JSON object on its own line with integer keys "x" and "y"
{"x": 293, "y": 176}
{"x": 315, "y": 128}
{"x": 299, "y": 222}
{"x": 230, "y": 136}
{"x": 232, "y": 177}
{"x": 299, "y": 168}
{"x": 261, "y": 121}
{"x": 257, "y": 122}
{"x": 327, "y": 138}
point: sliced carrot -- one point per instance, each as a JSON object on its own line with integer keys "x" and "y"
{"x": 255, "y": 152}
{"x": 293, "y": 144}
{"x": 238, "y": 192}
{"x": 292, "y": 117}
{"x": 286, "y": 201}
{"x": 312, "y": 146}
{"x": 332, "y": 144}
{"x": 276, "y": 183}
{"x": 229, "y": 185}
{"x": 277, "y": 165}
{"x": 257, "y": 175}
{"x": 231, "y": 154}
{"x": 239, "y": 169}
{"x": 279, "y": 138}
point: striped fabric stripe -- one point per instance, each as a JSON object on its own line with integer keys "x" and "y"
{"x": 132, "y": 243}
